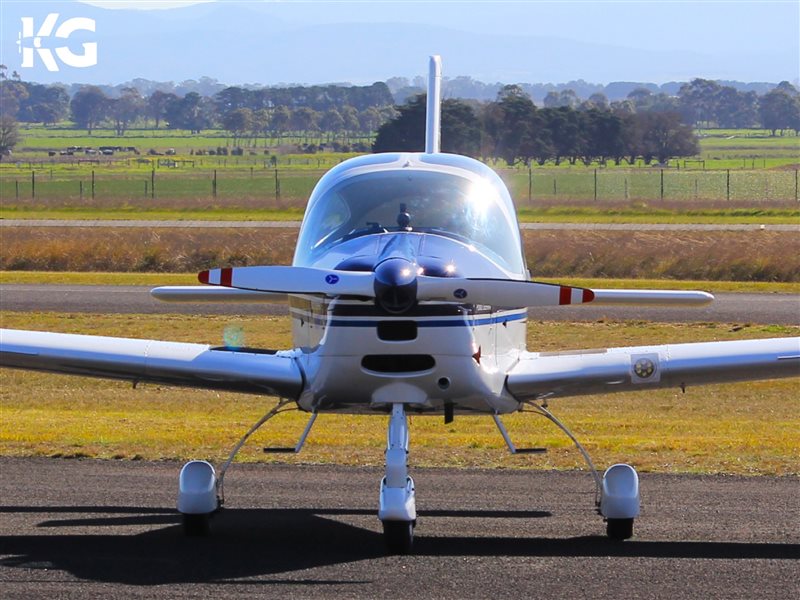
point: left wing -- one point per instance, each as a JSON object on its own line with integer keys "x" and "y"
{"x": 546, "y": 374}
{"x": 173, "y": 363}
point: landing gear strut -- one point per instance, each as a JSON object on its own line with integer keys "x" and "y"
{"x": 201, "y": 491}
{"x": 397, "y": 506}
{"x": 616, "y": 492}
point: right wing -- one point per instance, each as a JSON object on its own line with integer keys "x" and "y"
{"x": 556, "y": 374}
{"x": 173, "y": 363}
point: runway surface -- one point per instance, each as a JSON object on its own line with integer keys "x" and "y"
{"x": 778, "y": 309}
{"x": 108, "y": 529}
{"x": 189, "y": 224}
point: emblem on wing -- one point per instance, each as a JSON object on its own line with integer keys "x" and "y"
{"x": 644, "y": 369}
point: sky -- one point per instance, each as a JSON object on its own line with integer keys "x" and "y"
{"x": 524, "y": 41}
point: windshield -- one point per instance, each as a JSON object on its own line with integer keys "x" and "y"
{"x": 470, "y": 210}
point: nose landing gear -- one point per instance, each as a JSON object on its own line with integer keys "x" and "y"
{"x": 397, "y": 510}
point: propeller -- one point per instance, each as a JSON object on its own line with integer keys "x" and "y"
{"x": 396, "y": 286}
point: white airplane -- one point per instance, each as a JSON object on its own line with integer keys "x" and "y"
{"x": 408, "y": 294}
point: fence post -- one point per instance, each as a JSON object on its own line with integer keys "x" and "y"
{"x": 728, "y": 184}
{"x": 795, "y": 185}
{"x": 555, "y": 187}
{"x": 530, "y": 183}
{"x": 92, "y": 184}
{"x": 662, "y": 184}
{"x": 33, "y": 184}
{"x": 153, "y": 183}
{"x": 595, "y": 185}
{"x": 16, "y": 189}
{"x": 80, "y": 188}
{"x": 277, "y": 186}
{"x": 214, "y": 184}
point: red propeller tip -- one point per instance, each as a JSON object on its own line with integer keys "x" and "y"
{"x": 588, "y": 296}
{"x": 202, "y": 276}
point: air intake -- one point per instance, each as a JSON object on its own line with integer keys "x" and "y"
{"x": 398, "y": 363}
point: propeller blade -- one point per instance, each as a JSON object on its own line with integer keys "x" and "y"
{"x": 652, "y": 297}
{"x": 292, "y": 280}
{"x": 505, "y": 293}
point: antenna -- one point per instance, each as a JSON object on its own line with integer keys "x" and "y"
{"x": 433, "y": 115}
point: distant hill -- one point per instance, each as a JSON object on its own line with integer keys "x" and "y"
{"x": 249, "y": 44}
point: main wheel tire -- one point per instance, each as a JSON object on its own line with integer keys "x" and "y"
{"x": 619, "y": 529}
{"x": 399, "y": 536}
{"x": 196, "y": 525}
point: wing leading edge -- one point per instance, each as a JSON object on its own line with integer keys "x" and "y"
{"x": 546, "y": 374}
{"x": 173, "y": 363}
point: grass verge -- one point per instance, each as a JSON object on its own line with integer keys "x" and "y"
{"x": 526, "y": 215}
{"x": 743, "y": 429}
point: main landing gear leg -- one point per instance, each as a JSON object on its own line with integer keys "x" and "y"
{"x": 201, "y": 492}
{"x": 617, "y": 492}
{"x": 397, "y": 507}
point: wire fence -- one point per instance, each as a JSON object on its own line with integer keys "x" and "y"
{"x": 295, "y": 186}
{"x": 741, "y": 186}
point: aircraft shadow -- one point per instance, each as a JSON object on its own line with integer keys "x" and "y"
{"x": 263, "y": 542}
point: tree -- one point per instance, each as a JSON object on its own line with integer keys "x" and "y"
{"x": 778, "y": 110}
{"x": 566, "y": 98}
{"x": 281, "y": 120}
{"x": 697, "y": 101}
{"x": 46, "y": 104}
{"x": 304, "y": 120}
{"x": 508, "y": 124}
{"x": 369, "y": 120}
{"x": 12, "y": 95}
{"x": 332, "y": 122}
{"x": 157, "y": 104}
{"x": 9, "y": 135}
{"x": 126, "y": 109}
{"x": 89, "y": 107}
{"x": 736, "y": 109}
{"x": 238, "y": 122}
{"x": 260, "y": 124}
{"x": 596, "y": 100}
{"x": 406, "y": 132}
{"x": 604, "y": 136}
{"x": 665, "y": 136}
{"x": 191, "y": 112}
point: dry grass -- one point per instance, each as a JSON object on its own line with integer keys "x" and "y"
{"x": 158, "y": 250}
{"x": 745, "y": 428}
{"x": 715, "y": 255}
{"x": 711, "y": 255}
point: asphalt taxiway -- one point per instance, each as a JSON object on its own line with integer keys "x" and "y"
{"x": 81, "y": 528}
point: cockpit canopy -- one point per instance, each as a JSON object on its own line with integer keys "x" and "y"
{"x": 470, "y": 205}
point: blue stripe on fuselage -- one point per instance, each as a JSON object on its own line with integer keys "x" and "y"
{"x": 454, "y": 322}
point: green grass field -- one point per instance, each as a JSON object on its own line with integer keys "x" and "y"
{"x": 741, "y": 166}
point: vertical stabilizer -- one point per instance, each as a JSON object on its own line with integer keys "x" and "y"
{"x": 433, "y": 115}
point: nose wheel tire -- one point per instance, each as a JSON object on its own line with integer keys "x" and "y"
{"x": 399, "y": 536}
{"x": 619, "y": 529}
{"x": 196, "y": 525}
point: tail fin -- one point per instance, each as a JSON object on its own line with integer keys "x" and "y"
{"x": 434, "y": 109}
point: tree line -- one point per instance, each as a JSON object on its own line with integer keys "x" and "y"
{"x": 513, "y": 129}
{"x": 246, "y": 114}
